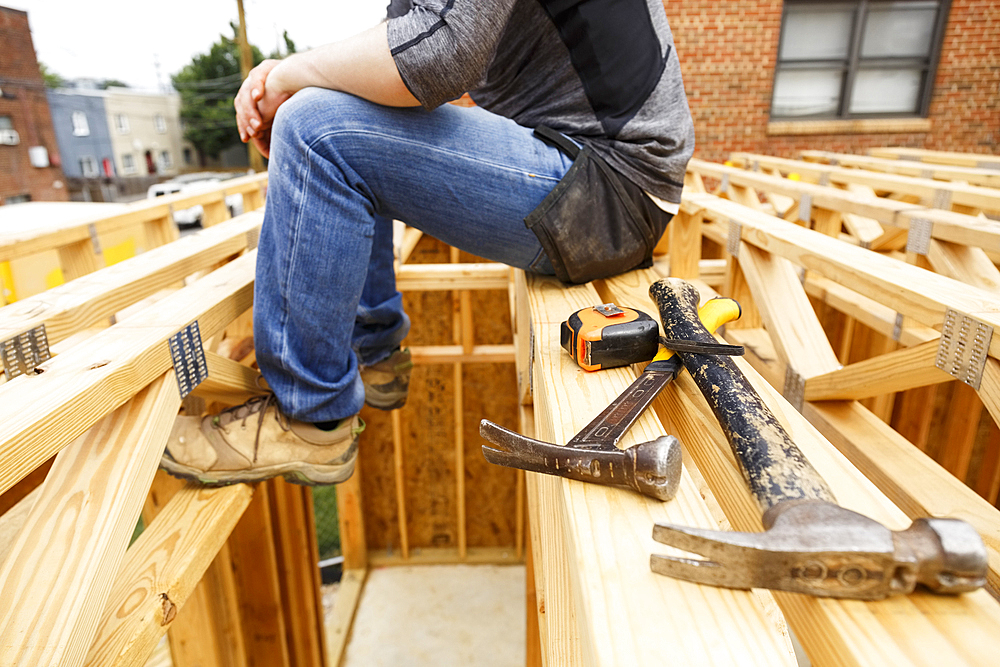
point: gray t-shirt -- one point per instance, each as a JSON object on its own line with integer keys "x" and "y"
{"x": 604, "y": 72}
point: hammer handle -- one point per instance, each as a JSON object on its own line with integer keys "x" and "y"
{"x": 774, "y": 467}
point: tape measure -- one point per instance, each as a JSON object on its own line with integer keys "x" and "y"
{"x": 608, "y": 336}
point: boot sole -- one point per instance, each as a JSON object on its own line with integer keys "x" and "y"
{"x": 303, "y": 474}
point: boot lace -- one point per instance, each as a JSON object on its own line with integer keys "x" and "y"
{"x": 255, "y": 406}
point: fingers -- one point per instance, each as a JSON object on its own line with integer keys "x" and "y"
{"x": 249, "y": 120}
{"x": 263, "y": 142}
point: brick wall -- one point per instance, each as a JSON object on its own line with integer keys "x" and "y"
{"x": 25, "y": 103}
{"x": 728, "y": 50}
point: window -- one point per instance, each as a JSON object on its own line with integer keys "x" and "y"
{"x": 6, "y": 123}
{"x": 165, "y": 161}
{"x": 8, "y": 135}
{"x": 81, "y": 128}
{"x": 857, "y": 59}
{"x": 121, "y": 123}
{"x": 160, "y": 123}
{"x": 88, "y": 167}
{"x": 128, "y": 163}
{"x": 18, "y": 199}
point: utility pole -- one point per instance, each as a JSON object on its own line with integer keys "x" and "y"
{"x": 246, "y": 64}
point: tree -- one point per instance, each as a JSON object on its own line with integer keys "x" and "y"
{"x": 52, "y": 80}
{"x": 104, "y": 84}
{"x": 207, "y": 87}
{"x": 289, "y": 44}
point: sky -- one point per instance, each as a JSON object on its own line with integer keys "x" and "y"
{"x": 142, "y": 43}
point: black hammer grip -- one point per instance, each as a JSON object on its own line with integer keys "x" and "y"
{"x": 775, "y": 468}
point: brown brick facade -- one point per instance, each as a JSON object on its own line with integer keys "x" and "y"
{"x": 728, "y": 50}
{"x": 24, "y": 102}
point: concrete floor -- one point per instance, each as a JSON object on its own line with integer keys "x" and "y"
{"x": 440, "y": 616}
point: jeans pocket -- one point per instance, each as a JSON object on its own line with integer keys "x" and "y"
{"x": 595, "y": 223}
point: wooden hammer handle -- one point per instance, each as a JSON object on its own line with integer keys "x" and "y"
{"x": 774, "y": 467}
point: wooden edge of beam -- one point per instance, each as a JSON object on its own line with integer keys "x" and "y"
{"x": 339, "y": 623}
{"x": 447, "y": 556}
{"x": 161, "y": 570}
{"x": 452, "y": 354}
{"x": 907, "y": 368}
{"x": 458, "y": 276}
{"x": 229, "y": 381}
{"x": 910, "y": 478}
{"x": 76, "y": 533}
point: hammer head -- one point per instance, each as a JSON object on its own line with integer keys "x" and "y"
{"x": 819, "y": 548}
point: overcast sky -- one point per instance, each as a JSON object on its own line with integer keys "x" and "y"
{"x": 124, "y": 39}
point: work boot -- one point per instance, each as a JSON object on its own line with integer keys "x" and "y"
{"x": 256, "y": 441}
{"x": 388, "y": 381}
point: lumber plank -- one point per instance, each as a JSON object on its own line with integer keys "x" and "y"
{"x": 593, "y": 543}
{"x": 351, "y": 521}
{"x": 917, "y": 293}
{"x": 938, "y": 157}
{"x": 439, "y": 277}
{"x": 964, "y": 263}
{"x": 947, "y": 225}
{"x": 684, "y": 232}
{"x": 900, "y": 370}
{"x": 910, "y": 478}
{"x": 73, "y": 306}
{"x": 160, "y": 571}
{"x": 229, "y": 381}
{"x": 788, "y": 316}
{"x": 973, "y": 175}
{"x": 832, "y": 631}
{"x": 338, "y": 624}
{"x": 927, "y": 189}
{"x": 43, "y": 413}
{"x": 64, "y": 560}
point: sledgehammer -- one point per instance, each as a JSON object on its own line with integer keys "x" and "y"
{"x": 810, "y": 545}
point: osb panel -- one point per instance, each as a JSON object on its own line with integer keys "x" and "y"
{"x": 428, "y": 431}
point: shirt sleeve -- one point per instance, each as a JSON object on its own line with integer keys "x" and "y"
{"x": 442, "y": 48}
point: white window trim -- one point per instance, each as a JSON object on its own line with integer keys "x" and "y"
{"x": 160, "y": 123}
{"x": 121, "y": 123}
{"x": 81, "y": 125}
{"x": 126, "y": 167}
{"x": 95, "y": 169}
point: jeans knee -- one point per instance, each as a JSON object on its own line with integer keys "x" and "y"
{"x": 313, "y": 113}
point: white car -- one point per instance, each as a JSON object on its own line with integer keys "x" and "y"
{"x": 191, "y": 217}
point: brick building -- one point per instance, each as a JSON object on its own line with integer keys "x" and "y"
{"x": 778, "y": 77}
{"x": 29, "y": 157}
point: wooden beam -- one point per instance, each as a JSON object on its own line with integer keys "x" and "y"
{"x": 438, "y": 277}
{"x": 229, "y": 381}
{"x": 65, "y": 559}
{"x": 161, "y": 569}
{"x": 973, "y": 175}
{"x": 43, "y": 413}
{"x": 595, "y": 610}
{"x": 939, "y": 157}
{"x": 341, "y": 619}
{"x": 71, "y": 307}
{"x": 351, "y": 521}
{"x": 910, "y": 478}
{"x": 788, "y": 316}
{"x": 451, "y": 354}
{"x": 903, "y": 369}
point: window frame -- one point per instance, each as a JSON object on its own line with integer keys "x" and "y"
{"x": 122, "y": 125}
{"x": 81, "y": 124}
{"x": 852, "y": 65}
{"x": 128, "y": 169}
{"x": 160, "y": 123}
{"x": 95, "y": 170}
{"x": 165, "y": 160}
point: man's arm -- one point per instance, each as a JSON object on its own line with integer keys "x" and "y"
{"x": 361, "y": 65}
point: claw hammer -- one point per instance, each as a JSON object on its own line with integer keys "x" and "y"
{"x": 810, "y": 544}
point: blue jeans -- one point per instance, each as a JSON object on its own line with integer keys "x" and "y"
{"x": 341, "y": 170}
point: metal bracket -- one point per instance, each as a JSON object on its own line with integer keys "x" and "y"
{"x": 897, "y": 328}
{"x": 834, "y": 162}
{"x": 795, "y": 388}
{"x": 910, "y": 158}
{"x": 942, "y": 199}
{"x": 94, "y": 238}
{"x": 927, "y": 173}
{"x": 988, "y": 164}
{"x": 735, "y": 236}
{"x": 805, "y": 207}
{"x": 964, "y": 347}
{"x": 189, "y": 358}
{"x": 725, "y": 183}
{"x": 918, "y": 237}
{"x": 824, "y": 178}
{"x": 25, "y": 352}
{"x": 755, "y": 165}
